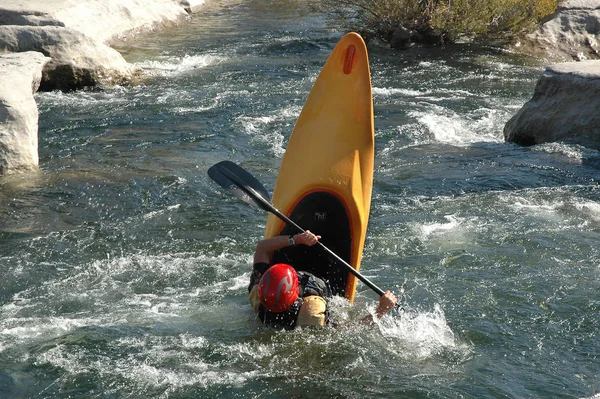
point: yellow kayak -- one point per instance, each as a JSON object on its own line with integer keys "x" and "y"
{"x": 326, "y": 176}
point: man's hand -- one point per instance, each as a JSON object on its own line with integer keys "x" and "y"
{"x": 265, "y": 248}
{"x": 386, "y": 303}
{"x": 306, "y": 238}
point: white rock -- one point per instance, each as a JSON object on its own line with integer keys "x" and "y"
{"x": 19, "y": 80}
{"x": 570, "y": 35}
{"x": 77, "y": 60}
{"x": 191, "y": 6}
{"x": 102, "y": 20}
{"x": 74, "y": 34}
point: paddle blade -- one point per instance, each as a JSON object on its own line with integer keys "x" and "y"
{"x": 240, "y": 183}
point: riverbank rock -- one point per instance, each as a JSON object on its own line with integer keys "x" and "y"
{"x": 564, "y": 107}
{"x": 70, "y": 40}
{"x": 191, "y": 6}
{"x": 19, "y": 80}
{"x": 76, "y": 61}
{"x": 572, "y": 33}
{"x": 76, "y": 34}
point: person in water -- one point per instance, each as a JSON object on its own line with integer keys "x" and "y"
{"x": 284, "y": 297}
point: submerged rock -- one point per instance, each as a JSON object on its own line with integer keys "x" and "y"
{"x": 19, "y": 80}
{"x": 564, "y": 107}
{"x": 401, "y": 38}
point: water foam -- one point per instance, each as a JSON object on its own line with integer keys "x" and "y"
{"x": 385, "y": 92}
{"x": 589, "y": 209}
{"x": 174, "y": 65}
{"x": 449, "y": 127}
{"x": 420, "y": 335}
{"x": 141, "y": 287}
{"x": 454, "y": 233}
{"x": 436, "y": 228}
{"x": 82, "y": 99}
{"x": 268, "y": 128}
{"x": 150, "y": 367}
{"x": 572, "y": 153}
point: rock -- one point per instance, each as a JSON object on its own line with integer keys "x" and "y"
{"x": 401, "y": 38}
{"x": 564, "y": 107}
{"x": 19, "y": 80}
{"x": 101, "y": 20}
{"x": 77, "y": 60}
{"x": 34, "y": 18}
{"x": 571, "y": 34}
{"x": 76, "y": 34}
{"x": 191, "y": 6}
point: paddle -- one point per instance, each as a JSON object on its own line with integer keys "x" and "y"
{"x": 243, "y": 185}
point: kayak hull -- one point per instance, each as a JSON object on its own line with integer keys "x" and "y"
{"x": 326, "y": 176}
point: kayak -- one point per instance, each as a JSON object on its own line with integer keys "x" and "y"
{"x": 325, "y": 180}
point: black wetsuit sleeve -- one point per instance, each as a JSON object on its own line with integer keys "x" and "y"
{"x": 258, "y": 269}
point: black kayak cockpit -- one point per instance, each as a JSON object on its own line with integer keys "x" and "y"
{"x": 323, "y": 214}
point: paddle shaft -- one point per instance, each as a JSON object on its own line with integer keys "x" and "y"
{"x": 267, "y": 206}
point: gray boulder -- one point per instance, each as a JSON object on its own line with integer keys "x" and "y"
{"x": 19, "y": 80}
{"x": 401, "y": 38}
{"x": 565, "y": 107}
{"x": 76, "y": 35}
{"x": 27, "y": 17}
{"x": 63, "y": 44}
{"x": 44, "y": 54}
{"x": 101, "y": 20}
{"x": 572, "y": 33}
{"x": 191, "y": 6}
{"x": 77, "y": 60}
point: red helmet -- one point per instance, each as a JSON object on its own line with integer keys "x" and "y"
{"x": 278, "y": 288}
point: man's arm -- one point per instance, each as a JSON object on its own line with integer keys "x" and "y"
{"x": 265, "y": 248}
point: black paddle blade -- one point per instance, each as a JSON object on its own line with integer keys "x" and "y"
{"x": 240, "y": 183}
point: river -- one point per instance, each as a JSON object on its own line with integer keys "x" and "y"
{"x": 126, "y": 268}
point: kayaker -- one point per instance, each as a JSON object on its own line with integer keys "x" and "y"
{"x": 284, "y": 297}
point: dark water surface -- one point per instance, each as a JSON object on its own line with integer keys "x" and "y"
{"x": 125, "y": 268}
